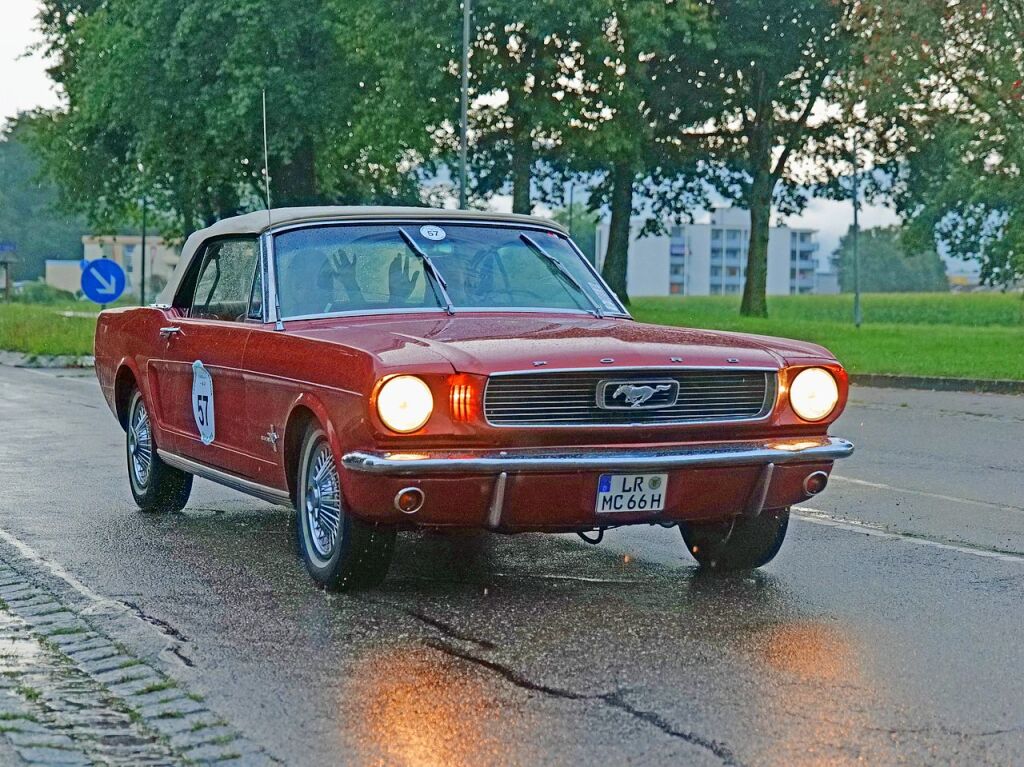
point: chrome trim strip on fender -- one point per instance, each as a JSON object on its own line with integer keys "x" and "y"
{"x": 708, "y": 455}
{"x": 264, "y": 493}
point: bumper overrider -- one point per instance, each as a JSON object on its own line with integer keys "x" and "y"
{"x": 554, "y": 489}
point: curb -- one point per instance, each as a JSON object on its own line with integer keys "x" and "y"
{"x": 933, "y": 383}
{"x": 45, "y": 361}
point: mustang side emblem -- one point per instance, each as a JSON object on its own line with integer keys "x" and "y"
{"x": 634, "y": 395}
{"x": 638, "y": 395}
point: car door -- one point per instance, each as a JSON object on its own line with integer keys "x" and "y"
{"x": 199, "y": 383}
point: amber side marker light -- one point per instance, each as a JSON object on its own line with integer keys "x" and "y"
{"x": 815, "y": 483}
{"x": 410, "y": 500}
{"x": 462, "y": 401}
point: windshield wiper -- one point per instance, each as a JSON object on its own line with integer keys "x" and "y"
{"x": 560, "y": 268}
{"x": 439, "y": 281}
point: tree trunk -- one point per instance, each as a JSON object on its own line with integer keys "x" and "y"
{"x": 522, "y": 175}
{"x": 295, "y": 181}
{"x": 616, "y": 259}
{"x": 755, "y": 288}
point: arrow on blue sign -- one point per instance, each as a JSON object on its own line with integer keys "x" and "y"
{"x": 103, "y": 280}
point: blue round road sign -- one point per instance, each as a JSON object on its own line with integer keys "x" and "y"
{"x": 103, "y": 280}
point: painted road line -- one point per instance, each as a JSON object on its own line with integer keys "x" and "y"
{"x": 926, "y": 494}
{"x": 818, "y": 517}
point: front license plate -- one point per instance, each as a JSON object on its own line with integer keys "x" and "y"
{"x": 631, "y": 492}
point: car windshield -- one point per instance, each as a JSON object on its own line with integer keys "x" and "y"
{"x": 387, "y": 267}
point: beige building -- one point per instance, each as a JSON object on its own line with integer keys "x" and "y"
{"x": 126, "y": 250}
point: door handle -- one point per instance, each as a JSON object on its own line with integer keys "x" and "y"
{"x": 170, "y": 331}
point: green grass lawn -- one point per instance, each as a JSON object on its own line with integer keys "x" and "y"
{"x": 977, "y": 335}
{"x": 959, "y": 336}
{"x": 43, "y": 329}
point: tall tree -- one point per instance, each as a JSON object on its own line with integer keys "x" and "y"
{"x": 765, "y": 120}
{"x": 887, "y": 266}
{"x": 949, "y": 76}
{"x": 29, "y": 216}
{"x": 629, "y": 64}
{"x": 163, "y": 98}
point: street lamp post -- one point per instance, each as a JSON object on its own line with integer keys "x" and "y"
{"x": 464, "y": 105}
{"x": 857, "y": 318}
{"x": 572, "y": 206}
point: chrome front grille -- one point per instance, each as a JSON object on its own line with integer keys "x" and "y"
{"x": 571, "y": 398}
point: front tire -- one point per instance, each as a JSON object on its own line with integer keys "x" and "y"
{"x": 340, "y": 551}
{"x": 743, "y": 543}
{"x": 156, "y": 487}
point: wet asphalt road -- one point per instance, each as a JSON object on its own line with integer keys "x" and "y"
{"x": 890, "y": 628}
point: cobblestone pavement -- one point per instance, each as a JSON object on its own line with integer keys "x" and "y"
{"x": 71, "y": 696}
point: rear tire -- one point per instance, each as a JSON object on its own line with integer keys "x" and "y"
{"x": 743, "y": 543}
{"x": 341, "y": 552}
{"x": 156, "y": 487}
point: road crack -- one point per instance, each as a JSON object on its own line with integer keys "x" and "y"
{"x": 165, "y": 628}
{"x": 448, "y": 630}
{"x": 612, "y": 699}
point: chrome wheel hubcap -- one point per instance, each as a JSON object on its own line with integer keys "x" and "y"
{"x": 323, "y": 501}
{"x": 140, "y": 444}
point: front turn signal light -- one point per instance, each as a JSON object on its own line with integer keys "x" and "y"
{"x": 462, "y": 401}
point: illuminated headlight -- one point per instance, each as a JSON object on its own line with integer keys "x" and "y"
{"x": 404, "y": 404}
{"x": 813, "y": 394}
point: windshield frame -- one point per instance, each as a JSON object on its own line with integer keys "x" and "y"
{"x": 269, "y": 252}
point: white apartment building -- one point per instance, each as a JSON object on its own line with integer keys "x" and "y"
{"x": 711, "y": 258}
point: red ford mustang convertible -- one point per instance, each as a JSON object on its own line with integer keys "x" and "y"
{"x": 388, "y": 368}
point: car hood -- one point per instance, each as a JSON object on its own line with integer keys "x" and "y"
{"x": 483, "y": 344}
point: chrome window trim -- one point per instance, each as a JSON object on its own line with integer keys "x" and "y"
{"x": 273, "y": 231}
{"x": 771, "y": 398}
{"x": 270, "y": 312}
{"x": 265, "y": 277}
{"x": 438, "y": 310}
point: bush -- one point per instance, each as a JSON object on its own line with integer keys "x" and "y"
{"x": 41, "y": 293}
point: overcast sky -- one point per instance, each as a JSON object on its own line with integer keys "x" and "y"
{"x": 24, "y": 85}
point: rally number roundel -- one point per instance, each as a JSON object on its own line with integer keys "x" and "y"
{"x": 202, "y": 401}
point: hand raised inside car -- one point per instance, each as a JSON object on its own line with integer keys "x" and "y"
{"x": 400, "y": 284}
{"x": 342, "y": 266}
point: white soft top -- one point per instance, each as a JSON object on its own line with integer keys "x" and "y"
{"x": 259, "y": 221}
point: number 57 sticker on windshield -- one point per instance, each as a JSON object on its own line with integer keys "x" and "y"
{"x": 202, "y": 401}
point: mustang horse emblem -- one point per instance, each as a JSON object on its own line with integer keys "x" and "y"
{"x": 638, "y": 395}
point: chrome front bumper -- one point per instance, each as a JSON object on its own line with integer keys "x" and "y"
{"x": 705, "y": 455}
